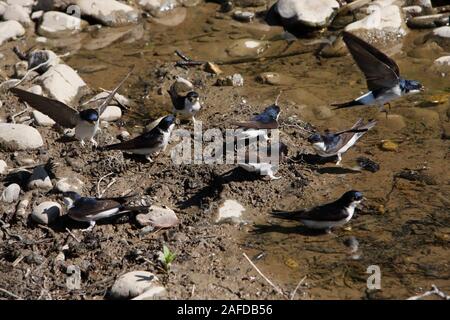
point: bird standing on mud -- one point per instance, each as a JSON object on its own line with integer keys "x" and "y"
{"x": 185, "y": 101}
{"x": 327, "y": 216}
{"x": 86, "y": 122}
{"x": 148, "y": 143}
{"x": 259, "y": 124}
{"x": 335, "y": 144}
{"x": 382, "y": 75}
{"x": 90, "y": 210}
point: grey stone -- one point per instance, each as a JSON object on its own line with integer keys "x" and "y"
{"x": 230, "y": 212}
{"x": 109, "y": 12}
{"x": 135, "y": 283}
{"x": 46, "y": 212}
{"x": 59, "y": 24}
{"x": 158, "y": 217}
{"x": 15, "y": 137}
{"x": 63, "y": 83}
{"x": 111, "y": 113}
{"x": 69, "y": 184}
{"x": 11, "y": 193}
{"x": 315, "y": 14}
{"x": 17, "y": 13}
{"x": 10, "y": 30}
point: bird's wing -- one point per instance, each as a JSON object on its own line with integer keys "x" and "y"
{"x": 257, "y": 124}
{"x": 380, "y": 70}
{"x": 147, "y": 140}
{"x": 111, "y": 95}
{"x": 326, "y": 212}
{"x": 57, "y": 110}
{"x": 86, "y": 207}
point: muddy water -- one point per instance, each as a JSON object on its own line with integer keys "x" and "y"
{"x": 404, "y": 226}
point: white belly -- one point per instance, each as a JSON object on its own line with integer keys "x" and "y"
{"x": 85, "y": 130}
{"x": 188, "y": 110}
{"x": 102, "y": 215}
{"x": 331, "y": 224}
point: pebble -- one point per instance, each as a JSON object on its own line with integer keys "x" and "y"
{"x": 70, "y": 184}
{"x": 272, "y": 78}
{"x": 109, "y": 12}
{"x": 10, "y": 30}
{"x": 367, "y": 164}
{"x": 111, "y": 113}
{"x": 385, "y": 18}
{"x": 430, "y": 21}
{"x": 388, "y": 145}
{"x": 73, "y": 281}
{"x": 158, "y": 217}
{"x": 230, "y": 212}
{"x": 315, "y": 14}
{"x": 11, "y": 193}
{"x": 243, "y": 16}
{"x": 3, "y": 167}
{"x": 246, "y": 48}
{"x": 22, "y": 207}
{"x": 15, "y": 12}
{"x": 441, "y": 36}
{"x": 135, "y": 283}
{"x": 235, "y": 80}
{"x": 42, "y": 119}
{"x": 46, "y": 212}
{"x": 442, "y": 64}
{"x": 36, "y": 15}
{"x": 39, "y": 179}
{"x": 41, "y": 39}
{"x": 15, "y": 137}
{"x": 212, "y": 68}
{"x": 124, "y": 135}
{"x": 171, "y": 18}
{"x": 63, "y": 83}
{"x": 59, "y": 24}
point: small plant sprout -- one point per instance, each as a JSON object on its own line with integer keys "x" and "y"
{"x": 166, "y": 257}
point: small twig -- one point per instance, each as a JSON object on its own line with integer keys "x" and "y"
{"x": 73, "y": 236}
{"x": 193, "y": 290}
{"x": 18, "y": 114}
{"x": 107, "y": 187}
{"x": 100, "y": 180}
{"x": 296, "y": 288}
{"x": 17, "y": 261}
{"x": 434, "y": 290}
{"x": 10, "y": 294}
{"x": 277, "y": 289}
{"x": 182, "y": 56}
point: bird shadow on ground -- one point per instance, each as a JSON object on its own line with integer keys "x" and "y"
{"x": 275, "y": 228}
{"x": 315, "y": 160}
{"x": 215, "y": 186}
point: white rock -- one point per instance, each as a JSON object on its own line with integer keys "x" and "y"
{"x": 237, "y": 80}
{"x": 135, "y": 283}
{"x": 27, "y": 4}
{"x": 62, "y": 83}
{"x": 20, "y": 69}
{"x": 37, "y": 15}
{"x": 412, "y": 10}
{"x": 3, "y": 6}
{"x": 155, "y": 6}
{"x": 42, "y": 119}
{"x": 39, "y": 179}
{"x": 69, "y": 184}
{"x": 386, "y": 18}
{"x": 442, "y": 61}
{"x": 46, "y": 212}
{"x": 41, "y": 39}
{"x": 3, "y": 167}
{"x": 15, "y": 137}
{"x": 111, "y": 113}
{"x": 152, "y": 294}
{"x": 109, "y": 12}
{"x": 317, "y": 13}
{"x": 230, "y": 211}
{"x": 171, "y": 18}
{"x": 36, "y": 89}
{"x": 17, "y": 13}
{"x": 158, "y": 217}
{"x": 442, "y": 36}
{"x": 10, "y": 30}
{"x": 11, "y": 193}
{"x": 56, "y": 24}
